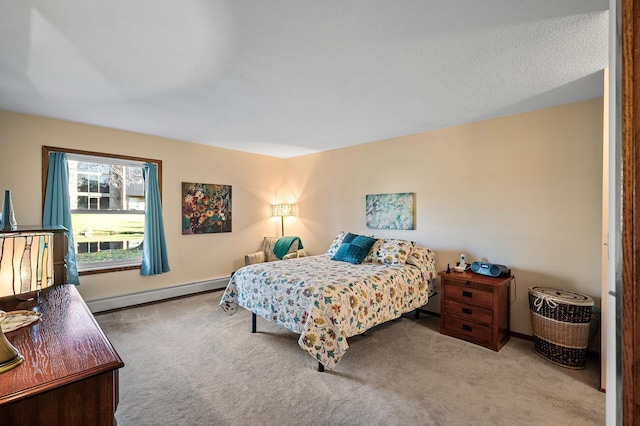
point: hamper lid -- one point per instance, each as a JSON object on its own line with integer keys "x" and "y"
{"x": 563, "y": 296}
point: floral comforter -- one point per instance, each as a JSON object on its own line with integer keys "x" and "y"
{"x": 326, "y": 301}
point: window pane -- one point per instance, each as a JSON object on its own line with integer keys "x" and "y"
{"x": 83, "y": 183}
{"x": 104, "y": 184}
{"x": 111, "y": 237}
{"x": 93, "y": 183}
{"x": 83, "y": 202}
{"x": 104, "y": 203}
{"x": 135, "y": 182}
{"x": 108, "y": 237}
{"x": 111, "y": 245}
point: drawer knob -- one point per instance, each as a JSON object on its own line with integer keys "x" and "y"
{"x": 467, "y": 311}
{"x": 467, "y": 294}
{"x": 467, "y": 327}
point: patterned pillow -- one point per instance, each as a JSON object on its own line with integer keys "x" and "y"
{"x": 393, "y": 251}
{"x": 354, "y": 248}
{"x": 424, "y": 259}
{"x": 333, "y": 248}
{"x": 372, "y": 256}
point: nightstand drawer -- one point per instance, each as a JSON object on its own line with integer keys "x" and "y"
{"x": 468, "y": 312}
{"x": 467, "y": 294}
{"x": 469, "y": 330}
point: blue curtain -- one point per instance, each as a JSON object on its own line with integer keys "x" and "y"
{"x": 154, "y": 248}
{"x": 57, "y": 209}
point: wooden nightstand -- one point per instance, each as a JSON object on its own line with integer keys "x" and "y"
{"x": 475, "y": 308}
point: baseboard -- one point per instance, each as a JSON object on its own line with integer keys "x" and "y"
{"x": 521, "y": 336}
{"x": 128, "y": 300}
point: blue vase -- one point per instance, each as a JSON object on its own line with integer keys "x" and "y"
{"x": 8, "y": 215}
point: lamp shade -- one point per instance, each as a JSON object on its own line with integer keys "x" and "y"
{"x": 282, "y": 210}
{"x": 26, "y": 263}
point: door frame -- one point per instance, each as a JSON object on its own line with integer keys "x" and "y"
{"x": 629, "y": 290}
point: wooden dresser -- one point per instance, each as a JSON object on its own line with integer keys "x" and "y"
{"x": 70, "y": 371}
{"x": 475, "y": 308}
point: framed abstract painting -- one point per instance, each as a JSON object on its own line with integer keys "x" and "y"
{"x": 391, "y": 211}
{"x": 206, "y": 208}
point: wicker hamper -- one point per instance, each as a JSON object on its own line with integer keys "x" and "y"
{"x": 560, "y": 320}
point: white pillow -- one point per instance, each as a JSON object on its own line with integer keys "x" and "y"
{"x": 333, "y": 248}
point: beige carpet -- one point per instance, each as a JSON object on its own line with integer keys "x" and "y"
{"x": 188, "y": 363}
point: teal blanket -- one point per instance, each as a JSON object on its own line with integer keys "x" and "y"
{"x": 282, "y": 246}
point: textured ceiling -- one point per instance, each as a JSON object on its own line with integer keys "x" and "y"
{"x": 291, "y": 77}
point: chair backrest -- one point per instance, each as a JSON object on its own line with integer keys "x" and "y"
{"x": 269, "y": 243}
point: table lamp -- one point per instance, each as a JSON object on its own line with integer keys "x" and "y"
{"x": 26, "y": 263}
{"x": 26, "y": 267}
{"x": 282, "y": 210}
{"x": 9, "y": 356}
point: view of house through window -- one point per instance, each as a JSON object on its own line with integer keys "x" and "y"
{"x": 107, "y": 211}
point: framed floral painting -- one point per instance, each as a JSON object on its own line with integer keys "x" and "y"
{"x": 391, "y": 211}
{"x": 206, "y": 208}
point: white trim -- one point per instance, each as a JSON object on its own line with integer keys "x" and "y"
{"x": 87, "y": 158}
{"x": 108, "y": 264}
{"x": 127, "y": 300}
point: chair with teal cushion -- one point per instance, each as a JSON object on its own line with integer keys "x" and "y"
{"x": 267, "y": 254}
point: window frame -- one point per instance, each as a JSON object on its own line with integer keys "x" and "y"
{"x": 45, "y": 171}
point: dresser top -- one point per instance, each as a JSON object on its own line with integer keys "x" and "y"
{"x": 64, "y": 346}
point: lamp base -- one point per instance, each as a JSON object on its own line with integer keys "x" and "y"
{"x": 9, "y": 355}
{"x": 12, "y": 363}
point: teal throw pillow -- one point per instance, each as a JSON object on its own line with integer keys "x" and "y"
{"x": 354, "y": 248}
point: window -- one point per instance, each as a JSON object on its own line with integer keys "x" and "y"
{"x": 106, "y": 195}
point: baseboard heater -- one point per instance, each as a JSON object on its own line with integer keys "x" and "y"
{"x": 156, "y": 295}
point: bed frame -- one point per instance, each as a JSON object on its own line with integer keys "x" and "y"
{"x": 320, "y": 366}
{"x": 253, "y": 330}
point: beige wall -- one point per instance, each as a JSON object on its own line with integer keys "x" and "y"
{"x": 192, "y": 258}
{"x": 524, "y": 191}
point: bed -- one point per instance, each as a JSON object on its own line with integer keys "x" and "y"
{"x": 327, "y": 301}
